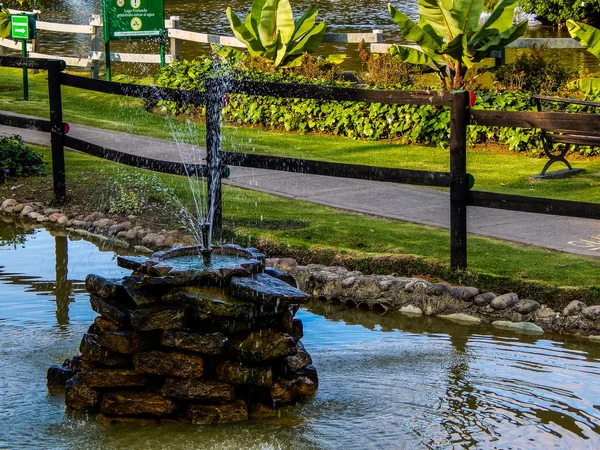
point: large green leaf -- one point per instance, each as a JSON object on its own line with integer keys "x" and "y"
{"x": 586, "y": 35}
{"x": 589, "y": 85}
{"x": 267, "y": 26}
{"x": 413, "y": 32}
{"x": 500, "y": 41}
{"x": 242, "y": 34}
{"x": 437, "y": 14}
{"x": 254, "y": 15}
{"x": 466, "y": 13}
{"x": 285, "y": 21}
{"x": 310, "y": 41}
{"x": 501, "y": 17}
{"x": 305, "y": 23}
{"x": 457, "y": 49}
{"x": 412, "y": 55}
{"x": 4, "y": 23}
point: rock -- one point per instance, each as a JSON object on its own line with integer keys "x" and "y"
{"x": 526, "y": 306}
{"x": 463, "y": 292}
{"x": 591, "y": 312}
{"x": 124, "y": 341}
{"x": 80, "y": 396}
{"x": 109, "y": 310}
{"x": 520, "y": 327}
{"x": 297, "y": 389}
{"x": 298, "y": 361}
{"x": 158, "y": 318}
{"x": 212, "y": 303}
{"x": 461, "y": 318}
{"x": 504, "y": 301}
{"x": 104, "y": 223}
{"x": 262, "y": 345}
{"x": 34, "y": 215}
{"x": 141, "y": 291}
{"x": 206, "y": 343}
{"x": 545, "y": 313}
{"x": 484, "y": 299}
{"x": 207, "y": 390}
{"x": 26, "y": 210}
{"x": 217, "y": 414}
{"x": 265, "y": 290}
{"x": 257, "y": 411}
{"x": 281, "y": 275}
{"x": 106, "y": 288}
{"x": 438, "y": 289}
{"x": 62, "y": 220}
{"x": 42, "y": 219}
{"x": 285, "y": 264}
{"x": 8, "y": 203}
{"x": 238, "y": 373}
{"x": 132, "y": 403}
{"x": 297, "y": 329}
{"x": 574, "y": 308}
{"x": 108, "y": 378}
{"x": 18, "y": 208}
{"x": 154, "y": 240}
{"x": 57, "y": 376}
{"x": 92, "y": 351}
{"x": 113, "y": 230}
{"x": 107, "y": 420}
{"x": 54, "y": 217}
{"x": 411, "y": 310}
{"x": 173, "y": 364}
{"x": 594, "y": 338}
{"x": 101, "y": 324}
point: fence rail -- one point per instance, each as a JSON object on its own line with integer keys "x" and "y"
{"x": 457, "y": 179}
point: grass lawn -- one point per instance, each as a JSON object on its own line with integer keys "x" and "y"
{"x": 305, "y": 228}
{"x": 493, "y": 171}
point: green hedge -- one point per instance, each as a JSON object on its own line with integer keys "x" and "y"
{"x": 406, "y": 123}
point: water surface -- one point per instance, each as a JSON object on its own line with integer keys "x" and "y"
{"x": 386, "y": 382}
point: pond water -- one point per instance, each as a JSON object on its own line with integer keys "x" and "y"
{"x": 386, "y": 382}
{"x": 208, "y": 16}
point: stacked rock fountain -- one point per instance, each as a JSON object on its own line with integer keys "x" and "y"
{"x": 182, "y": 339}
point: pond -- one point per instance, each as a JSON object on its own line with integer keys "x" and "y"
{"x": 385, "y": 381}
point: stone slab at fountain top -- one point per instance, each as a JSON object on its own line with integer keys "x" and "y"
{"x": 184, "y": 339}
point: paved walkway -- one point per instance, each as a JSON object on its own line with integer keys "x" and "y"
{"x": 394, "y": 201}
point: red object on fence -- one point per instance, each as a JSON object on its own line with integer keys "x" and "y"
{"x": 472, "y": 98}
{"x": 66, "y": 128}
{"x": 225, "y": 100}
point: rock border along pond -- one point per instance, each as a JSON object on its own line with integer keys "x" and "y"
{"x": 178, "y": 340}
{"x": 353, "y": 289}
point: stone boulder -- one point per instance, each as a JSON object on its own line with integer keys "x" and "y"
{"x": 134, "y": 403}
{"x": 172, "y": 364}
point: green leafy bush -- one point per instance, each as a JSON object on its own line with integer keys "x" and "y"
{"x": 559, "y": 11}
{"x": 535, "y": 70}
{"x": 16, "y": 159}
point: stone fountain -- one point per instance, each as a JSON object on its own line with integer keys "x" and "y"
{"x": 190, "y": 336}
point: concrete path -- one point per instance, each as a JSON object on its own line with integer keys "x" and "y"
{"x": 394, "y": 201}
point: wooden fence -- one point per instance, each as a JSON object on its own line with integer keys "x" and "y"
{"x": 457, "y": 179}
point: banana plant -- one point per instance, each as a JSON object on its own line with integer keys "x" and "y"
{"x": 588, "y": 37}
{"x": 271, "y": 32}
{"x": 449, "y": 37}
{"x": 4, "y": 23}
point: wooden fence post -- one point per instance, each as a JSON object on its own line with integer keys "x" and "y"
{"x": 214, "y": 105}
{"x": 174, "y": 43}
{"x": 57, "y": 133}
{"x": 35, "y": 43}
{"x": 95, "y": 22}
{"x": 459, "y": 189}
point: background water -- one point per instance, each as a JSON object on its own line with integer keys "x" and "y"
{"x": 386, "y": 382}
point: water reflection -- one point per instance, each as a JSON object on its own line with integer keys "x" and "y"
{"x": 62, "y": 287}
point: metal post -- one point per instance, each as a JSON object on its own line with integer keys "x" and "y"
{"x": 107, "y": 57}
{"x": 25, "y": 77}
{"x": 57, "y": 134}
{"x": 213, "y": 155}
{"x": 459, "y": 189}
{"x": 162, "y": 51}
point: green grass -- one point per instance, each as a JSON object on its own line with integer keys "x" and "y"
{"x": 301, "y": 227}
{"x": 493, "y": 171}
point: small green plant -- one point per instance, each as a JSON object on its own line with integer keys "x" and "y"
{"x": 559, "y": 11}
{"x": 125, "y": 202}
{"x": 17, "y": 159}
{"x": 589, "y": 37}
{"x": 534, "y": 70}
{"x": 271, "y": 32}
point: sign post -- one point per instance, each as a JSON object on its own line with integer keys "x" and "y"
{"x": 132, "y": 19}
{"x": 22, "y": 28}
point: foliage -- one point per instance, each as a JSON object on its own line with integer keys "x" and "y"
{"x": 271, "y": 32}
{"x": 450, "y": 37}
{"x": 124, "y": 202}
{"x": 17, "y": 160}
{"x": 385, "y": 70}
{"x": 4, "y": 23}
{"x": 589, "y": 37}
{"x": 559, "y": 11}
{"x": 535, "y": 71}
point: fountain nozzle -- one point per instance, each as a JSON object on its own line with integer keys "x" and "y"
{"x": 206, "y": 248}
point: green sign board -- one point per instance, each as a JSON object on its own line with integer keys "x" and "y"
{"x": 133, "y": 19}
{"x": 22, "y": 26}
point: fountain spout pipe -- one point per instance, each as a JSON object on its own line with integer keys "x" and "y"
{"x": 206, "y": 247}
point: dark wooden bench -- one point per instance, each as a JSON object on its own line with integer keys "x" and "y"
{"x": 563, "y": 137}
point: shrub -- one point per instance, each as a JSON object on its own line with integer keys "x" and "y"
{"x": 16, "y": 159}
{"x": 535, "y": 71}
{"x": 559, "y": 11}
{"x": 387, "y": 71}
